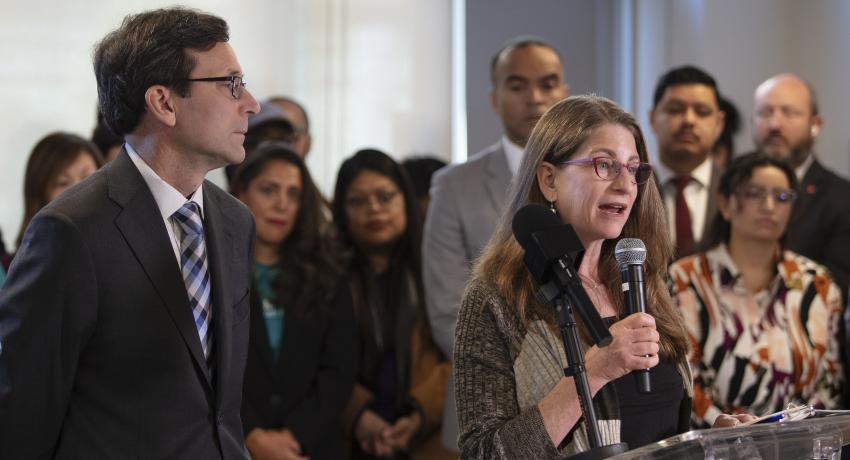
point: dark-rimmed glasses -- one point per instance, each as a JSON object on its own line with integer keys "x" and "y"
{"x": 757, "y": 194}
{"x": 234, "y": 82}
{"x": 608, "y": 168}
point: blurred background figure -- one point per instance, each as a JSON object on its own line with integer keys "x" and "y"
{"x": 763, "y": 321}
{"x": 57, "y": 162}
{"x": 301, "y": 139}
{"x": 301, "y": 356}
{"x": 107, "y": 141}
{"x": 724, "y": 147}
{"x": 419, "y": 170}
{"x": 398, "y": 400}
{"x": 687, "y": 120}
{"x": 270, "y": 124}
{"x": 787, "y": 122}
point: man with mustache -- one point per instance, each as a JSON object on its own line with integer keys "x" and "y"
{"x": 527, "y": 78}
{"x": 687, "y": 120}
{"x": 786, "y": 122}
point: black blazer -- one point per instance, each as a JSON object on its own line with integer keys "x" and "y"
{"x": 100, "y": 354}
{"x": 307, "y": 387}
{"x": 820, "y": 222}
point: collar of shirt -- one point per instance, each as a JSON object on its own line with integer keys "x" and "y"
{"x": 513, "y": 153}
{"x": 727, "y": 274}
{"x": 701, "y": 174}
{"x": 168, "y": 199}
{"x": 801, "y": 170}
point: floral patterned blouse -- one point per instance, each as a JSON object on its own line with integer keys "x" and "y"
{"x": 757, "y": 352}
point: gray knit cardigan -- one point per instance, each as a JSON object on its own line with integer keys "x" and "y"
{"x": 503, "y": 369}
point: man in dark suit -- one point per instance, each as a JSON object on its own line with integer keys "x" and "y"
{"x": 467, "y": 199}
{"x": 687, "y": 121}
{"x": 786, "y": 122}
{"x": 123, "y": 323}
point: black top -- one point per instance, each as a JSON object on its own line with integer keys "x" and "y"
{"x": 648, "y": 418}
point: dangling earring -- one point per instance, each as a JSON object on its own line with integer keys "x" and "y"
{"x": 552, "y": 207}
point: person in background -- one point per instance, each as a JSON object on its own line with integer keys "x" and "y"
{"x": 787, "y": 122}
{"x": 58, "y": 161}
{"x": 301, "y": 355}
{"x": 302, "y": 140}
{"x": 420, "y": 170}
{"x": 586, "y": 160}
{"x": 526, "y": 77}
{"x": 687, "y": 121}
{"x": 269, "y": 124}
{"x": 397, "y": 402}
{"x": 762, "y": 320}
{"x": 108, "y": 142}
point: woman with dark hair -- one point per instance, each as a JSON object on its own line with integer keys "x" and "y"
{"x": 300, "y": 366}
{"x": 397, "y": 402}
{"x": 58, "y": 161}
{"x": 586, "y": 160}
{"x": 762, "y": 321}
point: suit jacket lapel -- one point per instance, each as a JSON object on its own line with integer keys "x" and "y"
{"x": 140, "y": 222}
{"x": 219, "y": 252}
{"x": 711, "y": 205}
{"x": 498, "y": 179}
{"x": 812, "y": 185}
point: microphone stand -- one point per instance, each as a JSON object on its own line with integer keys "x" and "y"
{"x": 575, "y": 369}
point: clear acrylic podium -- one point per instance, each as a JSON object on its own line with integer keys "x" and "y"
{"x": 813, "y": 438}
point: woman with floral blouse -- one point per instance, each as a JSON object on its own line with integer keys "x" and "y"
{"x": 762, "y": 320}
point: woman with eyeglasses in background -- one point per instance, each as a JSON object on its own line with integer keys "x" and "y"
{"x": 397, "y": 402}
{"x": 762, "y": 320}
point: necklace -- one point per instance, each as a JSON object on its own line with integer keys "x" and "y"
{"x": 589, "y": 283}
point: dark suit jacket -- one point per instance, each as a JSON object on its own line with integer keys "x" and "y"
{"x": 305, "y": 389}
{"x": 820, "y": 222}
{"x": 100, "y": 354}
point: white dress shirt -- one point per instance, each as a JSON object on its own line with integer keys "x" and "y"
{"x": 168, "y": 199}
{"x": 514, "y": 154}
{"x": 696, "y": 195}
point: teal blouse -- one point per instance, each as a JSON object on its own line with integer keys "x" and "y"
{"x": 264, "y": 277}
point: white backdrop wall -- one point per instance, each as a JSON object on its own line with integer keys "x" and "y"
{"x": 379, "y": 72}
{"x": 370, "y": 72}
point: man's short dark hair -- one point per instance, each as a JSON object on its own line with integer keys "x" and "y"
{"x": 150, "y": 49}
{"x": 516, "y": 43}
{"x": 731, "y": 126}
{"x": 685, "y": 75}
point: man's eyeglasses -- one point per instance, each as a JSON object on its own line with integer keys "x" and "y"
{"x": 608, "y": 168}
{"x": 757, "y": 194}
{"x": 234, "y": 82}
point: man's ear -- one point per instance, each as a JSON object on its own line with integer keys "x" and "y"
{"x": 546, "y": 174}
{"x": 159, "y": 103}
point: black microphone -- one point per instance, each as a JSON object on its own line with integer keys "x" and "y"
{"x": 630, "y": 254}
{"x": 550, "y": 247}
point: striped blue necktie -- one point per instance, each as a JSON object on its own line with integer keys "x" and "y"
{"x": 193, "y": 264}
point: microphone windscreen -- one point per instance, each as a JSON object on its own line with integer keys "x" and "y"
{"x": 532, "y": 218}
{"x": 630, "y": 251}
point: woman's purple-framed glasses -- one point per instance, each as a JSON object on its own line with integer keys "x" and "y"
{"x": 608, "y": 168}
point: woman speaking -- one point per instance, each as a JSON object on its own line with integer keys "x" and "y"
{"x": 586, "y": 159}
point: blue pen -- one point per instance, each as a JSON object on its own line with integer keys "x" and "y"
{"x": 773, "y": 418}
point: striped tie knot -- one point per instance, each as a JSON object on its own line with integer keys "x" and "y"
{"x": 189, "y": 218}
